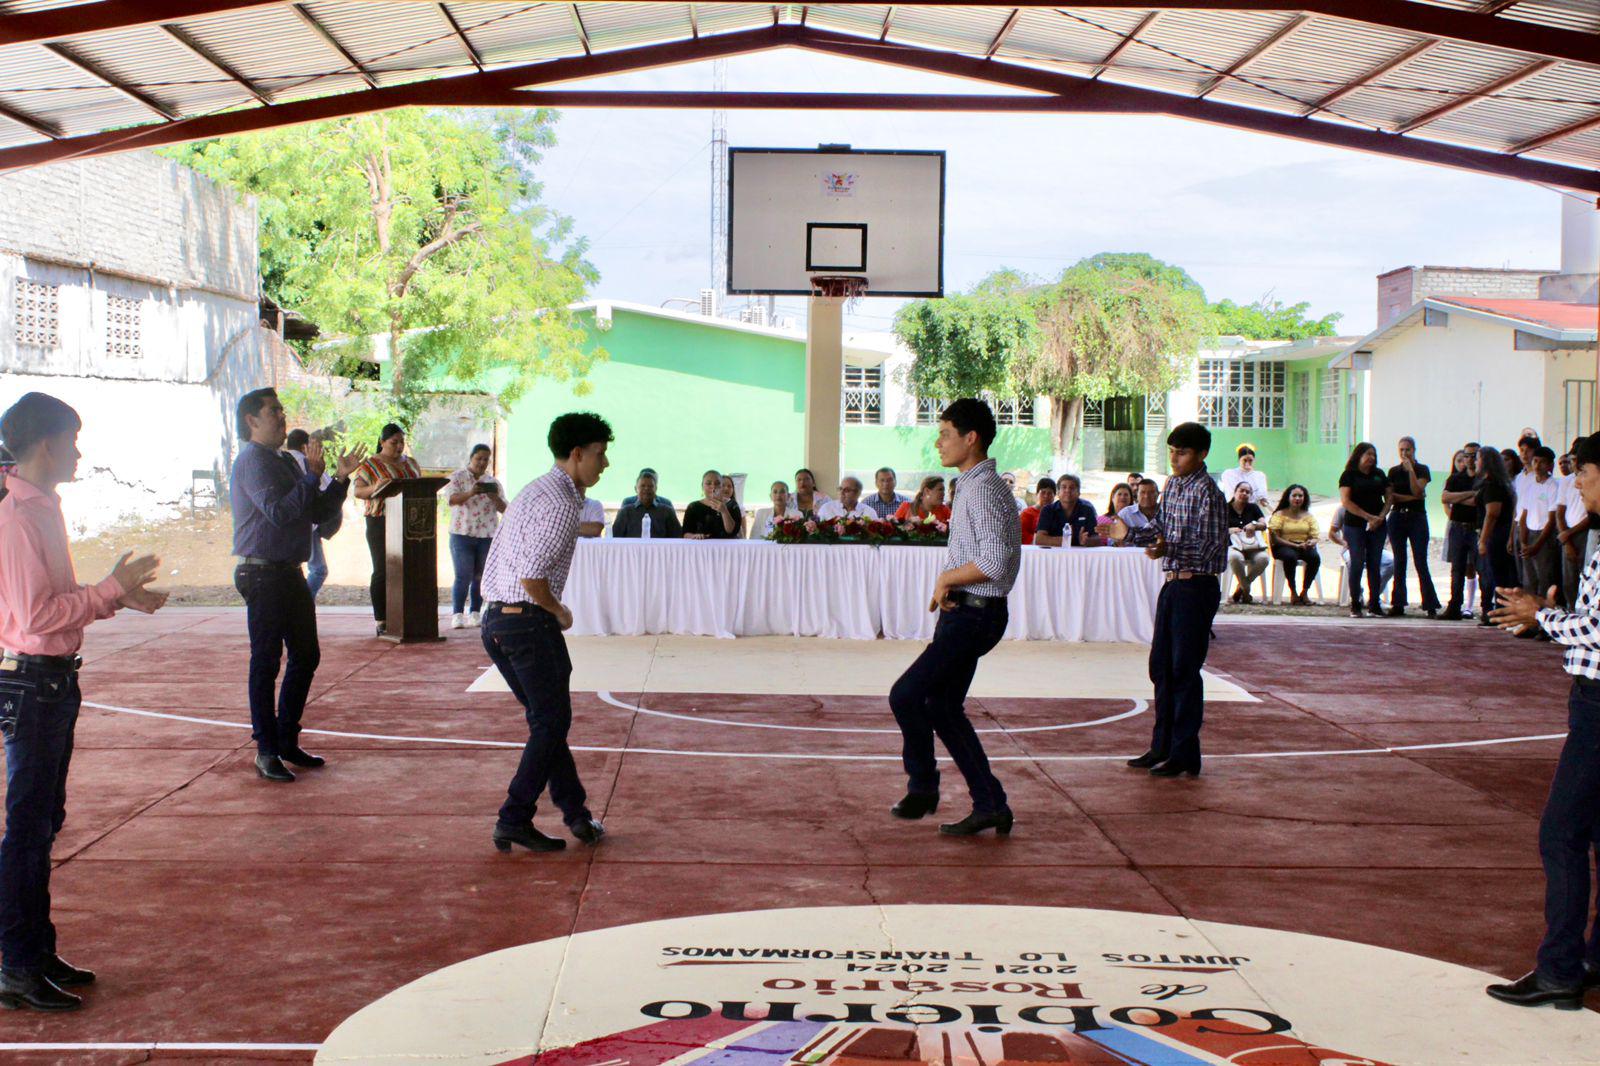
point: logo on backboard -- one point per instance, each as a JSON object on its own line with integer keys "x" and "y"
{"x": 839, "y": 184}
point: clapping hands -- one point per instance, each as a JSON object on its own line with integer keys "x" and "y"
{"x": 132, "y": 575}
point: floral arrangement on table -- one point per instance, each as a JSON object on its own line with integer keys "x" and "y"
{"x": 795, "y": 530}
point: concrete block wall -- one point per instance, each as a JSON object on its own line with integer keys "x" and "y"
{"x": 1400, "y": 290}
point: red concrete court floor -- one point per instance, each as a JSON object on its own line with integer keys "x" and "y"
{"x": 220, "y": 909}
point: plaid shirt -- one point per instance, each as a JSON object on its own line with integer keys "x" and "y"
{"x": 1579, "y": 628}
{"x": 984, "y": 530}
{"x": 536, "y": 539}
{"x": 1193, "y": 519}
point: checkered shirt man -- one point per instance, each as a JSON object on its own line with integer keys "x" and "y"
{"x": 1579, "y": 628}
{"x": 1194, "y": 522}
{"x": 984, "y": 530}
{"x": 536, "y": 539}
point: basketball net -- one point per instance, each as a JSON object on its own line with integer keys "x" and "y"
{"x": 847, "y": 287}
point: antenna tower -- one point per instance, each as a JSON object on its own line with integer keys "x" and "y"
{"x": 719, "y": 183}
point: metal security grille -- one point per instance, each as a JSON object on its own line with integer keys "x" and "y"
{"x": 928, "y": 408}
{"x": 36, "y": 314}
{"x": 863, "y": 395}
{"x": 1302, "y": 407}
{"x": 1017, "y": 412}
{"x": 1328, "y": 419}
{"x": 1235, "y": 394}
{"x": 122, "y": 328}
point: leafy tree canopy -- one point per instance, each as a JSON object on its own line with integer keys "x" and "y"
{"x": 1268, "y": 319}
{"x": 422, "y": 226}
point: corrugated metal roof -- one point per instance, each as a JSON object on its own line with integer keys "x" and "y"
{"x": 1181, "y": 51}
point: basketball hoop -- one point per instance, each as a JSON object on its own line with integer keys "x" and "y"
{"x": 847, "y": 287}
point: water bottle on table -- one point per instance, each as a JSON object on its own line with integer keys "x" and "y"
{"x": 644, "y": 528}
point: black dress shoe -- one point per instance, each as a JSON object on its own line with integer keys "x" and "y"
{"x": 63, "y": 974}
{"x": 1450, "y": 614}
{"x": 916, "y": 805}
{"x": 1397, "y": 612}
{"x": 303, "y": 758}
{"x": 527, "y": 836}
{"x": 272, "y": 768}
{"x": 1530, "y": 990}
{"x": 589, "y": 831}
{"x": 35, "y": 992}
{"x": 1177, "y": 766}
{"x": 1148, "y": 759}
{"x": 975, "y": 823}
{"x": 1355, "y": 610}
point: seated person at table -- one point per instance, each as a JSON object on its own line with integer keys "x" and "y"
{"x": 729, "y": 491}
{"x": 1110, "y": 530}
{"x": 1247, "y": 551}
{"x": 885, "y": 502}
{"x": 592, "y": 519}
{"x": 630, "y": 518}
{"x": 928, "y": 502}
{"x": 1045, "y": 493}
{"x": 766, "y": 517}
{"x": 849, "y": 504}
{"x": 662, "y": 500}
{"x": 807, "y": 499}
{"x": 1138, "y": 521}
{"x": 1336, "y": 534}
{"x": 1070, "y": 520}
{"x": 1011, "y": 483}
{"x": 709, "y": 518}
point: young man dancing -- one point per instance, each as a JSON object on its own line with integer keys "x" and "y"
{"x": 523, "y": 619}
{"x": 43, "y": 613}
{"x": 1191, "y": 540}
{"x": 981, "y": 565}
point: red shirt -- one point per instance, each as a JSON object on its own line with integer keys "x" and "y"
{"x": 908, "y": 513}
{"x": 1030, "y": 524}
{"x": 43, "y": 609}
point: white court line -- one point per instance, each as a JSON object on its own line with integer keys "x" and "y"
{"x": 1139, "y": 707}
{"x": 809, "y": 756}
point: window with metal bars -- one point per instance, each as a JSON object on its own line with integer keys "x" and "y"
{"x": 1013, "y": 412}
{"x": 35, "y": 313}
{"x": 928, "y": 408}
{"x": 123, "y": 340}
{"x": 863, "y": 395}
{"x": 1332, "y": 387}
{"x": 1235, "y": 394}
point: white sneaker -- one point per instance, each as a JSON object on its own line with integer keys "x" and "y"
{"x": 458, "y": 621}
{"x": 475, "y": 619}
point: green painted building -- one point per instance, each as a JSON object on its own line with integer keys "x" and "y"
{"x": 686, "y": 393}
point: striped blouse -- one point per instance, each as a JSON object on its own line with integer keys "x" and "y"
{"x": 376, "y": 469}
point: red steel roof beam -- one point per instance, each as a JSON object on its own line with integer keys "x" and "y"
{"x": 215, "y": 62}
{"x": 1128, "y": 41}
{"x": 1421, "y": 48}
{"x": 333, "y": 42}
{"x": 1533, "y": 144}
{"x": 27, "y": 121}
{"x": 461, "y": 35}
{"x": 1004, "y": 32}
{"x": 94, "y": 71}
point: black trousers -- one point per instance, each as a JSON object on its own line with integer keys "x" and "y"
{"x": 281, "y": 616}
{"x": 1409, "y": 530}
{"x": 1292, "y": 556}
{"x": 38, "y": 713}
{"x": 930, "y": 700}
{"x": 1184, "y": 613}
{"x": 531, "y": 654}
{"x": 1567, "y": 843}
{"x": 377, "y": 547}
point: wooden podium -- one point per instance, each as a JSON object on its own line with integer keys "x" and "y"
{"x": 411, "y": 559}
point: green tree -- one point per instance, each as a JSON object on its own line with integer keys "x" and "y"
{"x": 1268, "y": 319}
{"x": 1114, "y": 324}
{"x": 421, "y": 226}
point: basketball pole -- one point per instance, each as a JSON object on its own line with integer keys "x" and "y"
{"x": 824, "y": 389}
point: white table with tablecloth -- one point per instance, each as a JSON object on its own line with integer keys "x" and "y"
{"x": 743, "y": 588}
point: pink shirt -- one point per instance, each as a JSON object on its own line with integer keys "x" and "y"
{"x": 43, "y": 609}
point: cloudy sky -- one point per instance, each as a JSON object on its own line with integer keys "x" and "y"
{"x": 1246, "y": 214}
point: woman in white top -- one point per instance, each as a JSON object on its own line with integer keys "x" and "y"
{"x": 782, "y": 506}
{"x": 1246, "y": 473}
{"x": 476, "y": 501}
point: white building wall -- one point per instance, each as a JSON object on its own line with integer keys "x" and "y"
{"x": 1445, "y": 385}
{"x": 134, "y": 228}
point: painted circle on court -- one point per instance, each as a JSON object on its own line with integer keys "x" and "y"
{"x": 952, "y": 986}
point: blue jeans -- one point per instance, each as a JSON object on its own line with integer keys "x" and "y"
{"x": 1184, "y": 613}
{"x": 930, "y": 699}
{"x": 317, "y": 571}
{"x": 1566, "y": 840}
{"x": 531, "y": 654}
{"x": 1409, "y": 529}
{"x": 280, "y": 616}
{"x": 38, "y": 711}
{"x": 1366, "y": 556}
{"x": 469, "y": 554}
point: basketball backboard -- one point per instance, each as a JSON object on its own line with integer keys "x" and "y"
{"x": 794, "y": 213}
